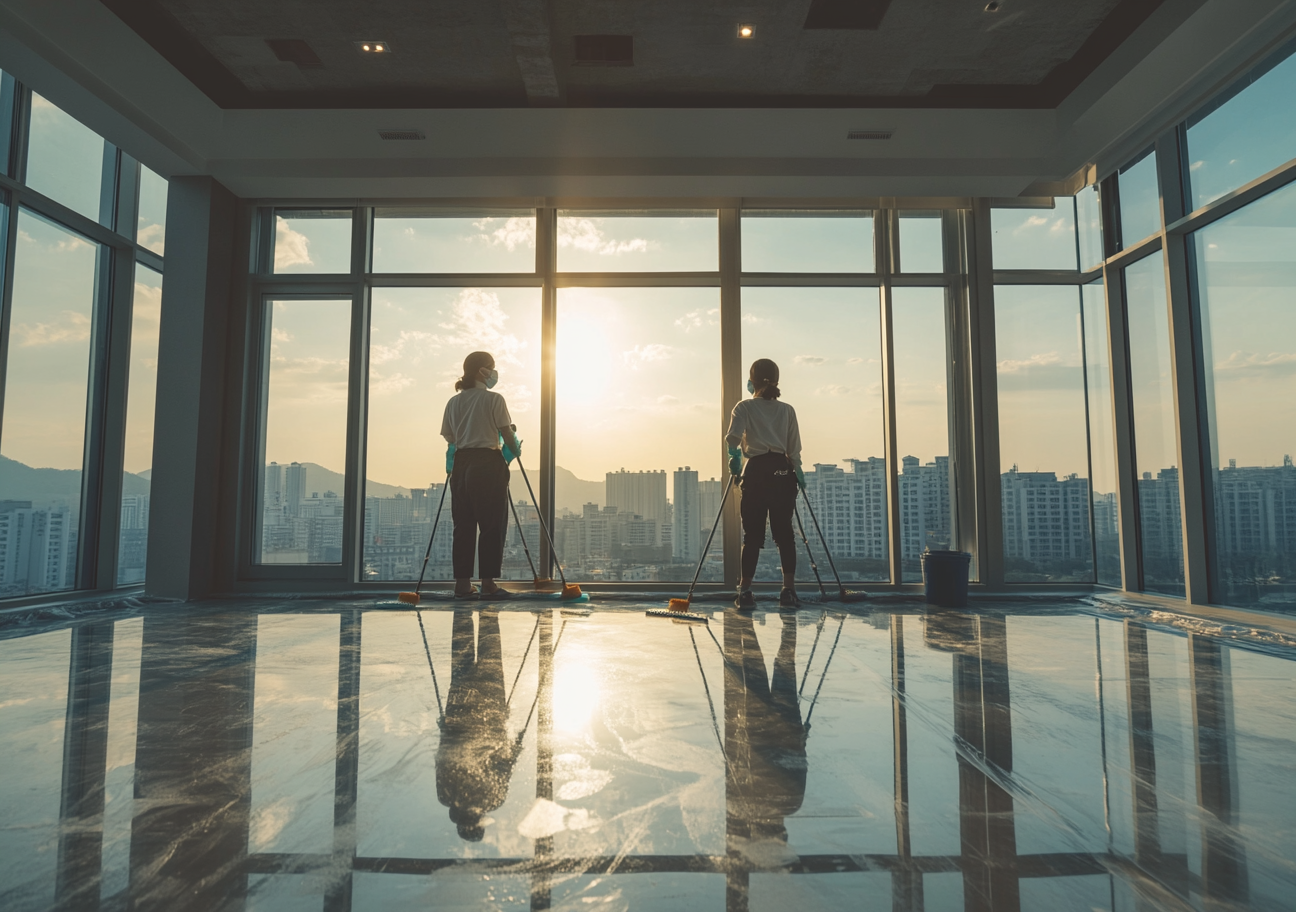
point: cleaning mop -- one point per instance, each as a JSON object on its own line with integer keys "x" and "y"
{"x": 813, "y": 566}
{"x": 545, "y": 584}
{"x": 842, "y": 593}
{"x": 569, "y": 591}
{"x": 680, "y": 607}
{"x": 412, "y": 598}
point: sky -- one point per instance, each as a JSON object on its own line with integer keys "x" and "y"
{"x": 49, "y": 346}
{"x": 142, "y": 383}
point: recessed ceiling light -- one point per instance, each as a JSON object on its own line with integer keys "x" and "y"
{"x": 374, "y": 47}
{"x": 746, "y": 31}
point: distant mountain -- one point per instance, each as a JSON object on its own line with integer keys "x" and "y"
{"x": 44, "y": 487}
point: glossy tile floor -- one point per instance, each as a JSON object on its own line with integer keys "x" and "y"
{"x": 333, "y": 756}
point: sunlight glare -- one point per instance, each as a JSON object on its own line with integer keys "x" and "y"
{"x": 576, "y": 692}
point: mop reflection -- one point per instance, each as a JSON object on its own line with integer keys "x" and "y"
{"x": 475, "y": 758}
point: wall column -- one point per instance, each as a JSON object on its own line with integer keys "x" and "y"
{"x": 190, "y": 390}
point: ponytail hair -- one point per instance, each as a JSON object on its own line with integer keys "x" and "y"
{"x": 764, "y": 375}
{"x": 472, "y": 368}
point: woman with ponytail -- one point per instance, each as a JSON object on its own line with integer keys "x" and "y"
{"x": 765, "y": 430}
{"x": 475, "y": 425}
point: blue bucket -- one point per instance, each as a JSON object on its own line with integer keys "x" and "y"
{"x": 945, "y": 578}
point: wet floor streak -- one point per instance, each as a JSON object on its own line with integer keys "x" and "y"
{"x": 332, "y": 756}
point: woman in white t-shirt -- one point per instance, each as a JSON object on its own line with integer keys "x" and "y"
{"x": 476, "y": 422}
{"x": 766, "y": 432}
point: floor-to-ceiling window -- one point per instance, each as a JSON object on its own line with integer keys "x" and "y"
{"x": 80, "y": 219}
{"x": 618, "y": 317}
{"x": 1057, "y": 482}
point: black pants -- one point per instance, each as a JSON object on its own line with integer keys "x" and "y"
{"x": 768, "y": 490}
{"x": 479, "y": 500}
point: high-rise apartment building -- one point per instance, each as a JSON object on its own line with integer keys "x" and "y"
{"x": 686, "y": 544}
{"x": 643, "y": 493}
{"x": 1045, "y": 520}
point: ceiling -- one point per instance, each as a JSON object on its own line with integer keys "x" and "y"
{"x": 686, "y": 53}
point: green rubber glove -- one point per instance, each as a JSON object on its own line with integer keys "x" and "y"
{"x": 450, "y": 458}
{"x": 800, "y": 477}
{"x": 735, "y": 461}
{"x": 509, "y": 455}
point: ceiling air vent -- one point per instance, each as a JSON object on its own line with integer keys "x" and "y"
{"x": 401, "y": 134}
{"x": 869, "y": 134}
{"x": 846, "y": 14}
{"x": 294, "y": 50}
{"x": 604, "y": 50}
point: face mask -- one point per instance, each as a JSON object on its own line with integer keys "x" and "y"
{"x": 491, "y": 379}
{"x": 751, "y": 387}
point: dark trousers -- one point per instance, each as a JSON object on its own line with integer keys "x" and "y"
{"x": 479, "y": 500}
{"x": 768, "y": 492}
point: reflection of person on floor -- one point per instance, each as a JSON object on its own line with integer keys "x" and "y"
{"x": 476, "y": 755}
{"x": 767, "y": 755}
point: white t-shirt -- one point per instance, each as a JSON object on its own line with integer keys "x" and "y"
{"x": 473, "y": 418}
{"x": 763, "y": 426}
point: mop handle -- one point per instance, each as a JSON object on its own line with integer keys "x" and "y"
{"x": 707, "y": 547}
{"x": 813, "y": 565}
{"x": 432, "y": 537}
{"x": 824, "y": 541}
{"x": 553, "y": 550}
{"x": 521, "y": 536}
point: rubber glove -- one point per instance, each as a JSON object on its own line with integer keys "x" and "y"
{"x": 450, "y": 458}
{"x": 800, "y": 477}
{"x": 735, "y": 461}
{"x": 509, "y": 455}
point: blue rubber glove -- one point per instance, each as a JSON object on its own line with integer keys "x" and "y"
{"x": 800, "y": 477}
{"x": 735, "y": 461}
{"x": 450, "y": 458}
{"x": 509, "y": 455}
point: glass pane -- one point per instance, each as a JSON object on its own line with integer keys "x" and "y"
{"x": 305, "y": 432}
{"x": 1035, "y": 238}
{"x": 146, "y": 312}
{"x": 658, "y": 242}
{"x": 1042, "y": 444}
{"x": 780, "y": 241}
{"x": 1089, "y": 227}
{"x": 1247, "y": 287}
{"x": 55, "y": 284}
{"x": 418, "y": 338}
{"x": 828, "y": 345}
{"x": 151, "y": 230}
{"x": 312, "y": 240}
{"x": 638, "y": 392}
{"x": 431, "y": 240}
{"x": 921, "y": 242}
{"x": 1140, "y": 201}
{"x": 922, "y": 423}
{"x": 1247, "y": 136}
{"x": 65, "y": 159}
{"x": 1102, "y": 440}
{"x": 1156, "y": 453}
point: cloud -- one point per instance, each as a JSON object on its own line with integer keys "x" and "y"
{"x": 587, "y": 235}
{"x": 70, "y": 327}
{"x": 152, "y": 237}
{"x": 810, "y": 360}
{"x": 697, "y": 319}
{"x": 1043, "y": 371}
{"x": 280, "y": 335}
{"x": 854, "y": 360}
{"x": 638, "y": 356}
{"x": 382, "y": 386}
{"x": 292, "y": 248}
{"x": 1254, "y": 364}
{"x": 1056, "y": 225}
{"x": 833, "y": 389}
{"x": 517, "y": 231}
